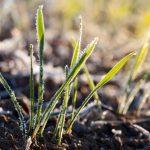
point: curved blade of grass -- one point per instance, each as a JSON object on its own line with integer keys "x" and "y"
{"x": 132, "y": 95}
{"x": 40, "y": 38}
{"x": 137, "y": 65}
{"x": 77, "y": 47}
{"x": 91, "y": 83}
{"x": 31, "y": 90}
{"x": 60, "y": 117}
{"x": 71, "y": 76}
{"x": 63, "y": 115}
{"x": 75, "y": 58}
{"x": 105, "y": 79}
{"x": 65, "y": 104}
{"x": 74, "y": 98}
{"x": 16, "y": 104}
{"x": 75, "y": 55}
{"x": 139, "y": 60}
{"x": 133, "y": 73}
{"x": 73, "y": 42}
{"x": 143, "y": 99}
{"x": 57, "y": 126}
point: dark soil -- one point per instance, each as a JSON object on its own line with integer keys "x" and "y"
{"x": 105, "y": 135}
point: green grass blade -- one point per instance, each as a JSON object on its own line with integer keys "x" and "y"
{"x": 105, "y": 79}
{"x": 73, "y": 42}
{"x": 139, "y": 60}
{"x": 65, "y": 104}
{"x": 131, "y": 96}
{"x": 40, "y": 26}
{"x": 115, "y": 70}
{"x": 16, "y": 104}
{"x": 59, "y": 121}
{"x": 77, "y": 47}
{"x": 75, "y": 55}
{"x": 31, "y": 90}
{"x": 143, "y": 99}
{"x": 74, "y": 98}
{"x": 91, "y": 83}
{"x": 57, "y": 127}
{"x": 142, "y": 53}
{"x": 71, "y": 76}
{"x": 40, "y": 37}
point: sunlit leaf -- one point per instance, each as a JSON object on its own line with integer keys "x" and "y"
{"x": 75, "y": 70}
{"x": 139, "y": 60}
{"x": 40, "y": 37}
{"x": 105, "y": 79}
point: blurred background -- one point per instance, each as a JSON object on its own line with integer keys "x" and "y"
{"x": 131, "y": 17}
{"x": 116, "y": 23}
{"x": 120, "y": 26}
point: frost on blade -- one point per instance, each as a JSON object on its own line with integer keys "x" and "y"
{"x": 81, "y": 29}
{"x": 107, "y": 77}
{"x": 16, "y": 104}
{"x": 89, "y": 47}
{"x": 77, "y": 46}
{"x": 40, "y": 24}
{"x": 40, "y": 37}
{"x": 73, "y": 73}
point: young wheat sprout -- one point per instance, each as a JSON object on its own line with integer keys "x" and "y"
{"x": 77, "y": 64}
{"x": 40, "y": 39}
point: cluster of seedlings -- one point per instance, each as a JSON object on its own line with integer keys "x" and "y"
{"x": 39, "y": 117}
